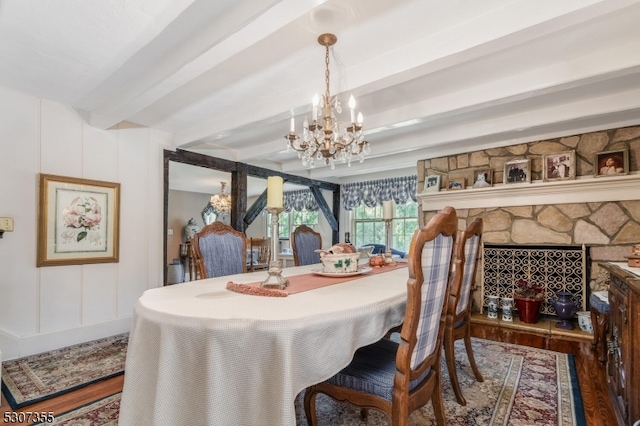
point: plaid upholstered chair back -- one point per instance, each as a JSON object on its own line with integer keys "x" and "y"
{"x": 304, "y": 242}
{"x": 471, "y": 254}
{"x": 220, "y": 250}
{"x": 430, "y": 267}
{"x": 458, "y": 320}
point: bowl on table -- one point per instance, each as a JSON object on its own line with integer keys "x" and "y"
{"x": 340, "y": 263}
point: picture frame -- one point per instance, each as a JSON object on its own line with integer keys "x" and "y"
{"x": 559, "y": 166}
{"x": 78, "y": 221}
{"x": 517, "y": 171}
{"x": 455, "y": 184}
{"x": 611, "y": 163}
{"x": 483, "y": 178}
{"x": 431, "y": 184}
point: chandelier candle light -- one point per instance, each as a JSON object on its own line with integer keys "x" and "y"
{"x": 275, "y": 206}
{"x": 387, "y": 216}
{"x": 326, "y": 138}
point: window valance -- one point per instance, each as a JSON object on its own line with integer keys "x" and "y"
{"x": 300, "y": 200}
{"x": 374, "y": 192}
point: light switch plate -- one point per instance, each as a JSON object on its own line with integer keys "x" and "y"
{"x": 6, "y": 224}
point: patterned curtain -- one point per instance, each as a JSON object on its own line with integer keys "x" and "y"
{"x": 374, "y": 192}
{"x": 300, "y": 200}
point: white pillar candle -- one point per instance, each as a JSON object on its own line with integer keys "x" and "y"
{"x": 274, "y": 192}
{"x": 315, "y": 102}
{"x": 387, "y": 209}
{"x": 352, "y": 107}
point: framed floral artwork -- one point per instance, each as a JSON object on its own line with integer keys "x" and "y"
{"x": 431, "y": 184}
{"x": 78, "y": 221}
{"x": 517, "y": 171}
{"x": 559, "y": 166}
{"x": 610, "y": 163}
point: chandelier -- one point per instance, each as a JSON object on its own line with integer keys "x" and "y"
{"x": 221, "y": 203}
{"x": 326, "y": 138}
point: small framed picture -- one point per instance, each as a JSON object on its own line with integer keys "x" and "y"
{"x": 431, "y": 183}
{"x": 610, "y": 163}
{"x": 482, "y": 178}
{"x": 455, "y": 184}
{"x": 517, "y": 171}
{"x": 559, "y": 166}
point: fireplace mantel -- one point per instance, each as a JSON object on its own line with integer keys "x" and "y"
{"x": 581, "y": 190}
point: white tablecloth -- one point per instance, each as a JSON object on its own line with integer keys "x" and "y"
{"x": 199, "y": 354}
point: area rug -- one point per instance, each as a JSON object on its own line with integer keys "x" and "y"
{"x": 522, "y": 386}
{"x": 38, "y": 377}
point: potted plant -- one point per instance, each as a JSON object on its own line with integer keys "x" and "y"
{"x": 528, "y": 297}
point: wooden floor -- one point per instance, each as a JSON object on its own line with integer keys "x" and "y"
{"x": 597, "y": 405}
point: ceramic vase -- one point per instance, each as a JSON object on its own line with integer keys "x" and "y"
{"x": 565, "y": 308}
{"x": 492, "y": 304}
{"x": 507, "y": 309}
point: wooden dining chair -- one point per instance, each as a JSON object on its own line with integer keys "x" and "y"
{"x": 260, "y": 249}
{"x": 304, "y": 243}
{"x": 458, "y": 320}
{"x": 220, "y": 250}
{"x": 398, "y": 378}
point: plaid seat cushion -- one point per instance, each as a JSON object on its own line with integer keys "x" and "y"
{"x": 372, "y": 370}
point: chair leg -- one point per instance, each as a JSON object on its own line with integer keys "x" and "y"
{"x": 449, "y": 355}
{"x": 472, "y": 360}
{"x": 310, "y": 406}
{"x": 438, "y": 404}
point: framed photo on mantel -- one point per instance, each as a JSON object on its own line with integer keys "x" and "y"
{"x": 517, "y": 171}
{"x": 78, "y": 221}
{"x": 455, "y": 184}
{"x": 559, "y": 166}
{"x": 482, "y": 178}
{"x": 611, "y": 163}
{"x": 431, "y": 184}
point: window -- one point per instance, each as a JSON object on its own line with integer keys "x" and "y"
{"x": 369, "y": 227}
{"x": 289, "y": 221}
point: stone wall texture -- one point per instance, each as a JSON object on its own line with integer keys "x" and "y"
{"x": 608, "y": 229}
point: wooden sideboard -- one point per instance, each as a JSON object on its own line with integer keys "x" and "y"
{"x": 623, "y": 343}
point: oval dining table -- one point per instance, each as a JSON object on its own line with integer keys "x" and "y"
{"x": 200, "y": 354}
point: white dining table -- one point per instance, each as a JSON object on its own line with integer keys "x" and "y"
{"x": 200, "y": 354}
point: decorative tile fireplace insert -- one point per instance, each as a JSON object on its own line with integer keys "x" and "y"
{"x": 556, "y": 268}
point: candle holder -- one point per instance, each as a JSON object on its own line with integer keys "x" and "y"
{"x": 275, "y": 278}
{"x": 388, "y": 257}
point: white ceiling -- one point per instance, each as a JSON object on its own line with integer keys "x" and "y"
{"x": 432, "y": 77}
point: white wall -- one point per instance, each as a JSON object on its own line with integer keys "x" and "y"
{"x": 50, "y": 307}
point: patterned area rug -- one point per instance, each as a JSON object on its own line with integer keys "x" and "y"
{"x": 38, "y": 377}
{"x": 522, "y": 386}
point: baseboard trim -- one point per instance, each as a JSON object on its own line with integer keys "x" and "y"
{"x": 16, "y": 347}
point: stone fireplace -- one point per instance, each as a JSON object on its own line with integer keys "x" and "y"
{"x": 600, "y": 213}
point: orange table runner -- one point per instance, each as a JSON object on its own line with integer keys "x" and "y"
{"x": 304, "y": 282}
